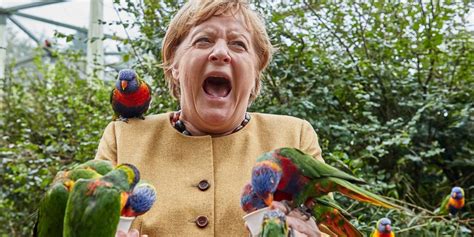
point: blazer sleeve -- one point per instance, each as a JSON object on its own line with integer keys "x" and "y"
{"x": 107, "y": 149}
{"x": 309, "y": 141}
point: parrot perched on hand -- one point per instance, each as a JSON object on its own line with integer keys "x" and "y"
{"x": 329, "y": 213}
{"x": 130, "y": 97}
{"x": 94, "y": 205}
{"x": 140, "y": 200}
{"x": 274, "y": 224}
{"x": 249, "y": 201}
{"x": 383, "y": 229}
{"x": 100, "y": 166}
{"x": 289, "y": 174}
{"x": 452, "y": 203}
{"x": 52, "y": 207}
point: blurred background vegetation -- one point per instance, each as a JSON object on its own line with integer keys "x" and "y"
{"x": 387, "y": 85}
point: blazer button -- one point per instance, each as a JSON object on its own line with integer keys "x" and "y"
{"x": 203, "y": 185}
{"x": 202, "y": 221}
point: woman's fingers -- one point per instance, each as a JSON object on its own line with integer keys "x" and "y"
{"x": 131, "y": 233}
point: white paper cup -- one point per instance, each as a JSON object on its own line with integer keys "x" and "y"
{"x": 254, "y": 220}
{"x": 125, "y": 223}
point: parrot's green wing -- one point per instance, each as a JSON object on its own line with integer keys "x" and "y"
{"x": 93, "y": 209}
{"x": 119, "y": 178}
{"x": 100, "y": 166}
{"x": 51, "y": 212}
{"x": 443, "y": 209}
{"x": 79, "y": 173}
{"x": 313, "y": 168}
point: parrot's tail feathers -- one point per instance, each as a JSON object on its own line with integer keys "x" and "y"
{"x": 342, "y": 227}
{"x": 362, "y": 195}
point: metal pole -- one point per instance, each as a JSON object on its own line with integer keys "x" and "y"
{"x": 95, "y": 51}
{"x": 3, "y": 44}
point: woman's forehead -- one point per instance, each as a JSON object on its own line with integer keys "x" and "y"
{"x": 232, "y": 24}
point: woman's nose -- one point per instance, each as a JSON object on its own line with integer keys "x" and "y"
{"x": 220, "y": 53}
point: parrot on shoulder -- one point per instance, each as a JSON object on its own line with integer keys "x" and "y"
{"x": 140, "y": 200}
{"x": 328, "y": 213}
{"x": 274, "y": 224}
{"x": 94, "y": 205}
{"x": 289, "y": 174}
{"x": 383, "y": 229}
{"x": 452, "y": 203}
{"x": 130, "y": 97}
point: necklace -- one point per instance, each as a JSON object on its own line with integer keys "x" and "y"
{"x": 179, "y": 124}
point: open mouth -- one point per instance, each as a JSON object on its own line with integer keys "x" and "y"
{"x": 217, "y": 86}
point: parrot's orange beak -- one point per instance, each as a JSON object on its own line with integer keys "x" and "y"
{"x": 388, "y": 228}
{"x": 269, "y": 199}
{"x": 124, "y": 84}
{"x": 69, "y": 185}
{"x": 454, "y": 195}
{"x": 123, "y": 200}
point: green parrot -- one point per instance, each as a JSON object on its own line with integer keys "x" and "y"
{"x": 289, "y": 174}
{"x": 100, "y": 166}
{"x": 274, "y": 224}
{"x": 330, "y": 214}
{"x": 94, "y": 205}
{"x": 50, "y": 216}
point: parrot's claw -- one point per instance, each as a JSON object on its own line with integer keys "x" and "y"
{"x": 305, "y": 211}
{"x": 123, "y": 119}
{"x": 287, "y": 205}
{"x": 141, "y": 117}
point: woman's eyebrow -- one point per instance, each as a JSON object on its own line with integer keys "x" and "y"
{"x": 207, "y": 30}
{"x": 239, "y": 34}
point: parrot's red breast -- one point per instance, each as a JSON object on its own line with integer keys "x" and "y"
{"x": 137, "y": 98}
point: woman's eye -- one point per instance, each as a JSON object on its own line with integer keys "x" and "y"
{"x": 202, "y": 40}
{"x": 240, "y": 44}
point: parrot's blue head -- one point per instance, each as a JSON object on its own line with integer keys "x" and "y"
{"x": 384, "y": 225}
{"x": 142, "y": 198}
{"x": 127, "y": 81}
{"x": 249, "y": 200}
{"x": 457, "y": 193}
{"x": 266, "y": 176}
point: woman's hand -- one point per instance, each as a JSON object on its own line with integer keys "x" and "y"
{"x": 131, "y": 233}
{"x": 297, "y": 221}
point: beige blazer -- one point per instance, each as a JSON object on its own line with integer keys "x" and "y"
{"x": 175, "y": 164}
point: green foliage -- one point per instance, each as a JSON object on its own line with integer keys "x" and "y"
{"x": 50, "y": 118}
{"x": 387, "y": 85}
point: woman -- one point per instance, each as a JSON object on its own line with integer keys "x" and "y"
{"x": 199, "y": 158}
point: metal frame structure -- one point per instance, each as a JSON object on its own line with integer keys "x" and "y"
{"x": 95, "y": 51}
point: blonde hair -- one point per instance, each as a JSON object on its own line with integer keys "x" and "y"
{"x": 193, "y": 13}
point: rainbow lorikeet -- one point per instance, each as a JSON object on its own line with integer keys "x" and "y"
{"x": 249, "y": 200}
{"x": 140, "y": 200}
{"x": 383, "y": 229}
{"x": 328, "y": 213}
{"x": 130, "y": 97}
{"x": 289, "y": 174}
{"x": 94, "y": 205}
{"x": 52, "y": 207}
{"x": 452, "y": 203}
{"x": 274, "y": 224}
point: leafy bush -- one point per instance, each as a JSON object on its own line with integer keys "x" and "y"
{"x": 51, "y": 117}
